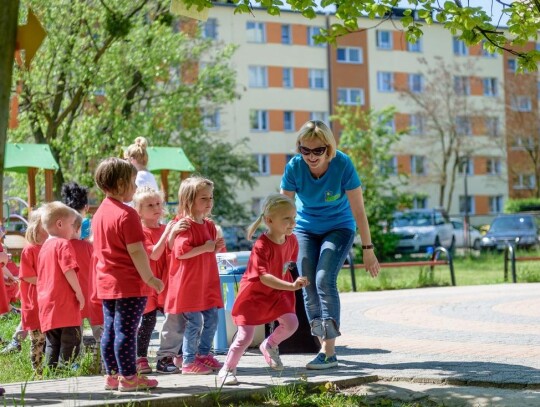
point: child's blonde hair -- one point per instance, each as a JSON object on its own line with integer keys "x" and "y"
{"x": 272, "y": 204}
{"x": 53, "y": 211}
{"x": 189, "y": 188}
{"x": 137, "y": 151}
{"x": 317, "y": 130}
{"x": 143, "y": 193}
{"x": 34, "y": 224}
{"x": 113, "y": 175}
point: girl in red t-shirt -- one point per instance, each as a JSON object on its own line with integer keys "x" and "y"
{"x": 35, "y": 235}
{"x": 194, "y": 293}
{"x": 266, "y": 291}
{"x": 123, "y": 277}
{"x": 149, "y": 204}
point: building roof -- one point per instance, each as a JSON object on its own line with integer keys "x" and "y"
{"x": 21, "y": 156}
{"x": 168, "y": 158}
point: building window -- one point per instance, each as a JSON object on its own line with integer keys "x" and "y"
{"x": 493, "y": 166}
{"x": 211, "y": 120}
{"x": 467, "y": 169}
{"x": 460, "y": 48}
{"x": 288, "y": 121}
{"x": 521, "y": 103}
{"x": 495, "y": 204}
{"x": 522, "y": 142}
{"x": 512, "y": 65}
{"x": 349, "y": 55}
{"x": 389, "y": 167}
{"x": 263, "y": 162}
{"x": 492, "y": 126}
{"x": 321, "y": 116}
{"x": 416, "y": 124}
{"x": 420, "y": 202}
{"x": 490, "y": 86}
{"x": 286, "y": 37}
{"x": 390, "y": 124}
{"x": 258, "y": 120}
{"x": 418, "y": 165}
{"x": 255, "y": 32}
{"x": 466, "y": 204}
{"x": 351, "y": 96}
{"x": 525, "y": 181}
{"x": 462, "y": 86}
{"x": 258, "y": 77}
{"x": 288, "y": 78}
{"x": 311, "y": 32}
{"x": 209, "y": 29}
{"x": 415, "y": 47}
{"x": 385, "y": 81}
{"x": 317, "y": 79}
{"x": 384, "y": 39}
{"x": 416, "y": 83}
{"x": 463, "y": 126}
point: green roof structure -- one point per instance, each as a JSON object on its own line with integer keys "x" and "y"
{"x": 168, "y": 158}
{"x": 21, "y": 156}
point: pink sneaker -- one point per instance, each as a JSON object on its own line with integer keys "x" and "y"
{"x": 209, "y": 361}
{"x": 195, "y": 368}
{"x": 111, "y": 382}
{"x": 142, "y": 366}
{"x": 177, "y": 361}
{"x": 135, "y": 383}
{"x": 271, "y": 355}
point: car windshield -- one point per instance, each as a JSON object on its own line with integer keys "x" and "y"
{"x": 413, "y": 219}
{"x": 512, "y": 223}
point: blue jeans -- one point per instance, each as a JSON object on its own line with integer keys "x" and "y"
{"x": 199, "y": 334}
{"x": 320, "y": 258}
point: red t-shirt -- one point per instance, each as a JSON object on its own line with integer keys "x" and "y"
{"x": 58, "y": 305}
{"x": 194, "y": 284}
{"x": 4, "y": 300}
{"x": 257, "y": 303}
{"x": 159, "y": 267}
{"x": 114, "y": 226}
{"x": 83, "y": 256}
{"x": 29, "y": 301}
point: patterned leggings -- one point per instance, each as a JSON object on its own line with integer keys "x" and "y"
{"x": 144, "y": 334}
{"x": 37, "y": 347}
{"x": 118, "y": 343}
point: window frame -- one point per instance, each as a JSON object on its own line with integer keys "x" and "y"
{"x": 262, "y": 117}
{"x": 257, "y": 26}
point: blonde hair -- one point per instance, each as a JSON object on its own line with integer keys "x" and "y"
{"x": 53, "y": 211}
{"x": 137, "y": 151}
{"x": 34, "y": 224}
{"x": 188, "y": 192}
{"x": 143, "y": 193}
{"x": 113, "y": 175}
{"x": 317, "y": 130}
{"x": 272, "y": 204}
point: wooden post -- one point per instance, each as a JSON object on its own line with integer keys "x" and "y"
{"x": 32, "y": 187}
{"x": 49, "y": 182}
{"x": 165, "y": 184}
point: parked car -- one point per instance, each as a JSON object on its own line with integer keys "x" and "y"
{"x": 474, "y": 237}
{"x": 420, "y": 230}
{"x": 518, "y": 229}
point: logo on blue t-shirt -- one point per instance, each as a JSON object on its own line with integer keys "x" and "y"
{"x": 329, "y": 196}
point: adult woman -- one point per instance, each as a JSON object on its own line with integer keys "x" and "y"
{"x": 330, "y": 205}
{"x": 137, "y": 155}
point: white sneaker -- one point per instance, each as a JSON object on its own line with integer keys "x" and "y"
{"x": 227, "y": 377}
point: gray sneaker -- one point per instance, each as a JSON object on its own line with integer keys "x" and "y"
{"x": 227, "y": 377}
{"x": 322, "y": 362}
{"x": 271, "y": 355}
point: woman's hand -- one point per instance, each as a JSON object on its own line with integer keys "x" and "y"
{"x": 370, "y": 262}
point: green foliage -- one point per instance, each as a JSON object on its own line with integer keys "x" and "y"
{"x": 111, "y": 71}
{"x": 368, "y": 141}
{"x": 522, "y": 205}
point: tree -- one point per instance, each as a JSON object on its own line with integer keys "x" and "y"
{"x": 449, "y": 122}
{"x": 368, "y": 141}
{"x": 111, "y": 71}
{"x": 471, "y": 24}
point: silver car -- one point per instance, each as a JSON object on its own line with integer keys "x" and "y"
{"x": 420, "y": 230}
{"x": 474, "y": 236}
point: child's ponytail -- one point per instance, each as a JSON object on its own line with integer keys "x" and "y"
{"x": 271, "y": 203}
{"x": 253, "y": 227}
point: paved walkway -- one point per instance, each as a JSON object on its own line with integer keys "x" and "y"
{"x": 474, "y": 345}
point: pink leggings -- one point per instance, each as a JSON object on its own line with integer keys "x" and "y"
{"x": 288, "y": 323}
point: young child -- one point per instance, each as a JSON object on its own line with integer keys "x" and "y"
{"x": 36, "y": 236}
{"x": 194, "y": 294}
{"x": 149, "y": 204}
{"x": 76, "y": 197}
{"x": 59, "y": 293}
{"x": 267, "y": 289}
{"x": 123, "y": 277}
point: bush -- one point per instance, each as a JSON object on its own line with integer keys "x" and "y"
{"x": 522, "y": 205}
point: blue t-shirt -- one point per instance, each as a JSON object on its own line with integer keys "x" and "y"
{"x": 322, "y": 204}
{"x": 85, "y": 228}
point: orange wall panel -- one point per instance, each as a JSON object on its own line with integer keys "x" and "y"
{"x": 480, "y": 165}
{"x": 275, "y": 77}
{"x": 300, "y": 117}
{"x": 478, "y": 126}
{"x": 276, "y": 120}
{"x": 402, "y": 121}
{"x": 477, "y": 88}
{"x": 299, "y": 34}
{"x": 401, "y": 81}
{"x": 481, "y": 205}
{"x": 301, "y": 78}
{"x": 404, "y": 164}
{"x": 277, "y": 164}
{"x": 475, "y": 50}
{"x": 400, "y": 41}
{"x": 273, "y": 33}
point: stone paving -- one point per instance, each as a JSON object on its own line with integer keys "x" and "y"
{"x": 473, "y": 345}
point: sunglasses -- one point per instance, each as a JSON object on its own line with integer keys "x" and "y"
{"x": 315, "y": 151}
